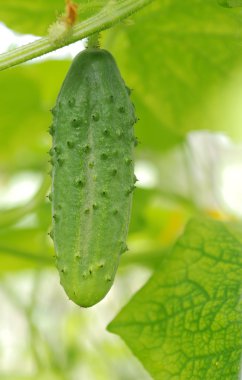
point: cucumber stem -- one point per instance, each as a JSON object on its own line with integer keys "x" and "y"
{"x": 93, "y": 41}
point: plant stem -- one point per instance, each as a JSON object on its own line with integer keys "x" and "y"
{"x": 111, "y": 14}
{"x": 93, "y": 41}
{"x": 44, "y": 260}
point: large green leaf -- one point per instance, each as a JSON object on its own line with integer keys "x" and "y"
{"x": 28, "y": 16}
{"x": 186, "y": 321}
{"x": 180, "y": 57}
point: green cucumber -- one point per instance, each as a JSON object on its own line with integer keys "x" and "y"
{"x": 92, "y": 175}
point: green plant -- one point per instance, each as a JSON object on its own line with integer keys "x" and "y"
{"x": 183, "y": 59}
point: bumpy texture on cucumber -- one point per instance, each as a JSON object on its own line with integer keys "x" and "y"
{"x": 93, "y": 175}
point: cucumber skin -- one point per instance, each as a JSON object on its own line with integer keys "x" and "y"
{"x": 92, "y": 175}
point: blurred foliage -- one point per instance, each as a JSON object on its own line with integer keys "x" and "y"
{"x": 34, "y": 17}
{"x": 179, "y": 57}
{"x": 230, "y": 3}
{"x": 61, "y": 342}
{"x": 183, "y": 59}
{"x": 25, "y": 141}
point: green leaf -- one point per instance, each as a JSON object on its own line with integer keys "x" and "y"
{"x": 185, "y": 323}
{"x": 35, "y": 16}
{"x": 30, "y": 16}
{"x": 180, "y": 57}
{"x": 29, "y": 93}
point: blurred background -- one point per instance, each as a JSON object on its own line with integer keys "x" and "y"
{"x": 185, "y": 65}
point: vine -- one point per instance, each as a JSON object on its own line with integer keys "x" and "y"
{"x": 111, "y": 14}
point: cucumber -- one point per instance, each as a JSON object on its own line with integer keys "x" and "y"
{"x": 92, "y": 175}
